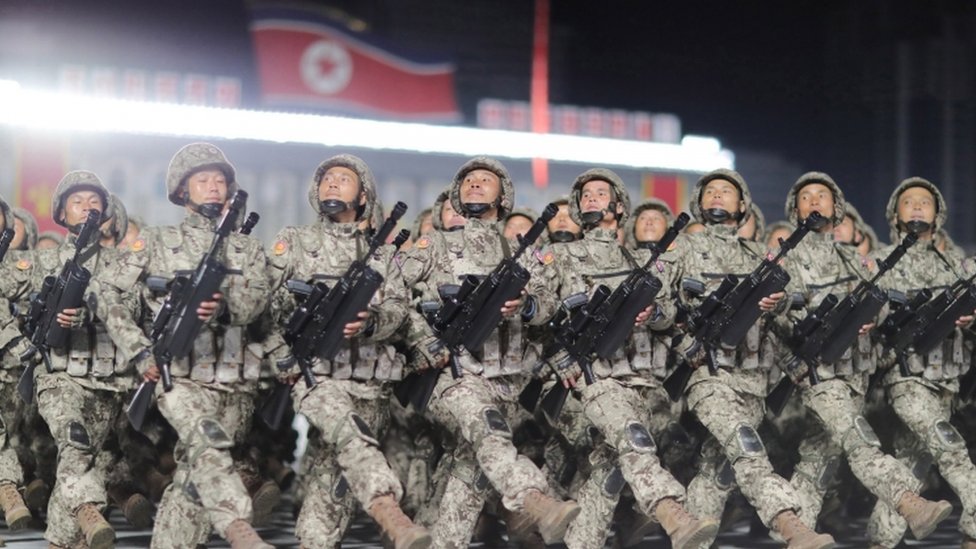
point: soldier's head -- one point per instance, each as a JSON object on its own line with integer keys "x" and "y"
{"x": 343, "y": 189}
{"x": 482, "y": 188}
{"x": 422, "y": 224}
{"x": 816, "y": 192}
{"x": 132, "y": 230}
{"x": 25, "y": 227}
{"x": 721, "y": 198}
{"x": 519, "y": 222}
{"x": 561, "y": 227}
{"x": 114, "y": 229}
{"x": 443, "y": 216}
{"x": 776, "y": 231}
{"x": 599, "y": 199}
{"x": 77, "y": 193}
{"x": 49, "y": 239}
{"x": 916, "y": 206}
{"x": 648, "y": 223}
{"x": 201, "y": 179}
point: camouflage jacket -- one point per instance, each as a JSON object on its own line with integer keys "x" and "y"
{"x": 223, "y": 354}
{"x": 599, "y": 259}
{"x": 826, "y": 267}
{"x": 925, "y": 267}
{"x": 15, "y": 283}
{"x": 445, "y": 257}
{"x": 322, "y": 252}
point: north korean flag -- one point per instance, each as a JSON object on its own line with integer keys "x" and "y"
{"x": 304, "y": 60}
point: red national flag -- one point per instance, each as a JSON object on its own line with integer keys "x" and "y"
{"x": 304, "y": 60}
{"x": 41, "y": 162}
{"x": 672, "y": 189}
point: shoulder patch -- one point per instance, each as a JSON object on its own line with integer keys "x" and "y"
{"x": 23, "y": 264}
{"x": 280, "y": 247}
{"x": 138, "y": 245}
{"x": 422, "y": 243}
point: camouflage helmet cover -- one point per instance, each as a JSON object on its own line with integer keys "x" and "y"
{"x": 30, "y": 226}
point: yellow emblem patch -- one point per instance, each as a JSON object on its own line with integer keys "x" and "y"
{"x": 23, "y": 264}
{"x": 280, "y": 247}
{"x": 423, "y": 243}
{"x": 138, "y": 245}
{"x": 548, "y": 258}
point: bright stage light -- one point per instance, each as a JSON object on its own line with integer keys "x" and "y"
{"x": 26, "y": 108}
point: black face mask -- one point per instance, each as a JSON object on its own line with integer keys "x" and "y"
{"x": 210, "y": 210}
{"x": 475, "y": 209}
{"x": 454, "y": 228}
{"x": 716, "y": 215}
{"x": 647, "y": 244}
{"x": 562, "y": 236}
{"x": 917, "y": 227}
{"x": 332, "y": 206}
{"x": 592, "y": 219}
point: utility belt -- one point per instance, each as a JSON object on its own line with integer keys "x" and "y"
{"x": 362, "y": 361}
{"x": 221, "y": 355}
{"x": 90, "y": 352}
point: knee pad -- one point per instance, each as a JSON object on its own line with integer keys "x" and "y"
{"x": 470, "y": 474}
{"x": 637, "y": 438}
{"x": 493, "y": 424}
{"x": 213, "y": 434}
{"x": 827, "y": 473}
{"x": 353, "y": 427}
{"x": 861, "y": 434}
{"x": 921, "y": 465}
{"x": 745, "y": 442}
{"x": 613, "y": 482}
{"x": 724, "y": 475}
{"x": 190, "y": 491}
{"x": 78, "y": 436}
{"x": 944, "y": 437}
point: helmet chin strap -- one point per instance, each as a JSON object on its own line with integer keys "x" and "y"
{"x": 592, "y": 219}
{"x": 717, "y": 215}
{"x": 210, "y": 210}
{"x": 916, "y": 226}
{"x": 562, "y": 236}
{"x": 478, "y": 209}
{"x": 647, "y": 244}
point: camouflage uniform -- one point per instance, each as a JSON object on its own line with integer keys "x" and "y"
{"x": 211, "y": 402}
{"x": 82, "y": 397}
{"x": 828, "y": 267}
{"x": 30, "y": 228}
{"x": 626, "y": 402}
{"x": 730, "y": 404}
{"x": 470, "y": 405}
{"x": 923, "y": 400}
{"x": 349, "y": 404}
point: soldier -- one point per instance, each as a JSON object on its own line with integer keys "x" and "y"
{"x": 855, "y": 232}
{"x": 25, "y": 226}
{"x": 15, "y": 283}
{"x": 49, "y": 239}
{"x": 349, "y": 402}
{"x": 211, "y": 400}
{"x": 469, "y": 405}
{"x": 729, "y": 404}
{"x": 776, "y": 231}
{"x": 837, "y": 401}
{"x": 923, "y": 399}
{"x": 518, "y": 222}
{"x": 561, "y": 227}
{"x": 82, "y": 396}
{"x": 647, "y": 224}
{"x": 626, "y": 402}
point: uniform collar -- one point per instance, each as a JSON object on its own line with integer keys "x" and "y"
{"x": 599, "y": 234}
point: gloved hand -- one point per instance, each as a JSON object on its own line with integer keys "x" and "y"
{"x": 431, "y": 353}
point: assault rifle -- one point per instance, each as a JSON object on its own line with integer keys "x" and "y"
{"x": 466, "y": 319}
{"x": 315, "y": 328}
{"x": 899, "y": 330}
{"x": 176, "y": 325}
{"x": 606, "y": 324}
{"x": 64, "y": 291}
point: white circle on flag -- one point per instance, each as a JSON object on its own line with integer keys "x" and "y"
{"x": 326, "y": 67}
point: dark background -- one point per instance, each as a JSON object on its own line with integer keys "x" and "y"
{"x": 869, "y": 91}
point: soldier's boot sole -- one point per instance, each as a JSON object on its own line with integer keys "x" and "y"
{"x": 36, "y": 494}
{"x": 924, "y": 525}
{"x": 695, "y": 534}
{"x": 554, "y": 524}
{"x": 138, "y": 511}
{"x": 264, "y": 501}
{"x": 817, "y": 541}
{"x": 414, "y": 538}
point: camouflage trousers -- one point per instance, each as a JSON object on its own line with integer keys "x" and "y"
{"x": 625, "y": 417}
{"x": 842, "y": 431}
{"x": 347, "y": 413}
{"x": 11, "y": 417}
{"x": 411, "y": 447}
{"x": 81, "y": 420}
{"x": 474, "y": 409}
{"x": 567, "y": 450}
{"x": 206, "y": 492}
{"x": 932, "y": 439}
{"x": 734, "y": 454}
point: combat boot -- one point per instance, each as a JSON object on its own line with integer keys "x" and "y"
{"x": 521, "y": 529}
{"x": 36, "y": 494}
{"x": 685, "y": 531}
{"x": 265, "y": 495}
{"x": 156, "y": 483}
{"x": 922, "y": 515}
{"x": 552, "y": 517}
{"x": 396, "y": 526}
{"x": 136, "y": 508}
{"x": 798, "y": 535}
{"x": 14, "y": 509}
{"x": 241, "y": 535}
{"x": 97, "y": 531}
{"x": 968, "y": 542}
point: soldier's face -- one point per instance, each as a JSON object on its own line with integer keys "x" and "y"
{"x": 207, "y": 187}
{"x": 449, "y": 216}
{"x": 844, "y": 232}
{"x": 916, "y": 204}
{"x": 341, "y": 183}
{"x": 481, "y": 187}
{"x": 562, "y": 221}
{"x": 722, "y": 193}
{"x": 815, "y": 197}
{"x": 46, "y": 243}
{"x": 78, "y": 204}
{"x": 597, "y": 195}
{"x": 20, "y": 234}
{"x": 426, "y": 225}
{"x": 516, "y": 225}
{"x": 773, "y": 240}
{"x": 650, "y": 226}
